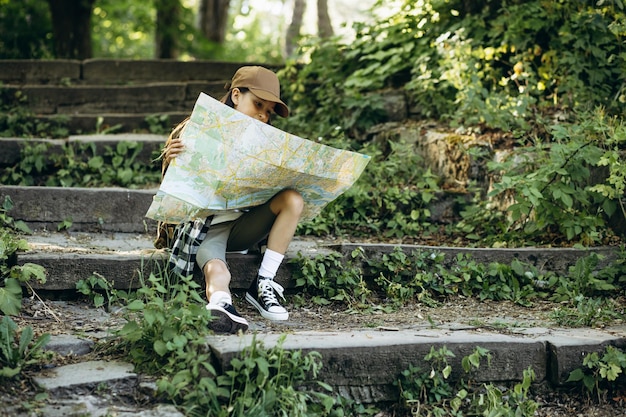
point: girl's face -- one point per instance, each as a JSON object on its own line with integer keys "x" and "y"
{"x": 251, "y": 105}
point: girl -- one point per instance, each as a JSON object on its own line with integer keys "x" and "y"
{"x": 254, "y": 91}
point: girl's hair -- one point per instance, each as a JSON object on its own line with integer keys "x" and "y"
{"x": 228, "y": 99}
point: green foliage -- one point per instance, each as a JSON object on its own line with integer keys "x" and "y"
{"x": 80, "y": 165}
{"x": 329, "y": 278}
{"x": 398, "y": 278}
{"x": 159, "y": 124}
{"x": 269, "y": 382}
{"x": 588, "y": 312}
{"x": 391, "y": 198}
{"x": 601, "y": 375}
{"x": 431, "y": 392}
{"x": 26, "y": 30}
{"x": 99, "y": 289}
{"x": 16, "y": 120}
{"x": 555, "y": 192}
{"x": 503, "y": 65}
{"x": 19, "y": 349}
{"x": 12, "y": 276}
{"x": 584, "y": 280}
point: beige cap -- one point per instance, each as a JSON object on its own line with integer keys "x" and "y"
{"x": 261, "y": 82}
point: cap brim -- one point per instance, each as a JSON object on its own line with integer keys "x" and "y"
{"x": 280, "y": 108}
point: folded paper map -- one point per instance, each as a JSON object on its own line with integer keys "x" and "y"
{"x": 232, "y": 162}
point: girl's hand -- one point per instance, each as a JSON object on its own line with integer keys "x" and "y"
{"x": 172, "y": 150}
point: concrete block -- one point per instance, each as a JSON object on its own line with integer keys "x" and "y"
{"x": 65, "y": 344}
{"x": 25, "y": 71}
{"x": 85, "y": 99}
{"x": 567, "y": 350}
{"x": 90, "y": 209}
{"x": 116, "y": 71}
{"x": 365, "y": 364}
{"x": 87, "y": 374}
{"x": 545, "y": 259}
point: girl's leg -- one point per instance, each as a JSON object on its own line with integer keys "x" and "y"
{"x": 287, "y": 206}
{"x": 212, "y": 257}
{"x": 278, "y": 220}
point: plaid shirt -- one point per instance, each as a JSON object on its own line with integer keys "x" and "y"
{"x": 187, "y": 238}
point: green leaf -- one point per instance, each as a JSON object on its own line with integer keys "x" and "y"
{"x": 11, "y": 297}
{"x": 136, "y": 305}
{"x": 160, "y": 347}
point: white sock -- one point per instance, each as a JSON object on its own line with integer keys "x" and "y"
{"x": 219, "y": 297}
{"x": 270, "y": 264}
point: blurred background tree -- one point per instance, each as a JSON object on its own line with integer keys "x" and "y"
{"x": 264, "y": 31}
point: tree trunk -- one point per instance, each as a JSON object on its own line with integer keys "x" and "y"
{"x": 213, "y": 19}
{"x": 71, "y": 28}
{"x": 166, "y": 35}
{"x": 324, "y": 26}
{"x": 293, "y": 31}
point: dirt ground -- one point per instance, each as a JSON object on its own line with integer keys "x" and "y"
{"x": 58, "y": 317}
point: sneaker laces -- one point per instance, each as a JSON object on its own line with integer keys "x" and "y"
{"x": 268, "y": 288}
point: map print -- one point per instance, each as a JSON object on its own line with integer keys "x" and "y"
{"x": 232, "y": 162}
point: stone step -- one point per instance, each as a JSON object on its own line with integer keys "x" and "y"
{"x": 151, "y": 145}
{"x": 362, "y": 364}
{"x": 124, "y": 258}
{"x": 112, "y": 71}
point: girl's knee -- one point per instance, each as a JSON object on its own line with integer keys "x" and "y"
{"x": 215, "y": 265}
{"x": 293, "y": 200}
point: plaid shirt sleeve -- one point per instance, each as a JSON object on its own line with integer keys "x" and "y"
{"x": 187, "y": 238}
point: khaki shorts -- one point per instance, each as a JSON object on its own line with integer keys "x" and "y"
{"x": 238, "y": 235}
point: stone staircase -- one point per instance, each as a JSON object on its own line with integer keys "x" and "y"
{"x": 106, "y": 93}
{"x": 110, "y": 236}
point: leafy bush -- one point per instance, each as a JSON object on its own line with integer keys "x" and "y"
{"x": 19, "y": 349}
{"x": 12, "y": 276}
{"x": 429, "y": 392}
{"x": 390, "y": 199}
{"x": 558, "y": 191}
{"x": 80, "y": 165}
{"x": 601, "y": 375}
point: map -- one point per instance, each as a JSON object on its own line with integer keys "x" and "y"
{"x": 232, "y": 162}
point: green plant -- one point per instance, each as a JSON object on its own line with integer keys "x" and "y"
{"x": 329, "y": 278}
{"x": 601, "y": 374}
{"x": 556, "y": 191}
{"x": 427, "y": 390}
{"x": 587, "y": 312}
{"x": 507, "y": 403}
{"x": 12, "y": 275}
{"x": 158, "y": 123}
{"x": 65, "y": 224}
{"x": 585, "y": 280}
{"x": 19, "y": 349}
{"x": 94, "y": 287}
{"x": 270, "y": 382}
{"x": 431, "y": 392}
{"x": 80, "y": 165}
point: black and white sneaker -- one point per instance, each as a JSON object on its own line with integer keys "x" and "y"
{"x": 262, "y": 295}
{"x": 226, "y": 319}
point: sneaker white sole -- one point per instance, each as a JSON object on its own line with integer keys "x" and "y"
{"x": 224, "y": 322}
{"x": 267, "y": 314}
